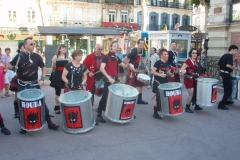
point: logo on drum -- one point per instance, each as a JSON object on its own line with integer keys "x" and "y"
{"x": 175, "y": 101}
{"x": 214, "y": 93}
{"x": 73, "y": 116}
{"x": 32, "y": 114}
{"x": 127, "y": 109}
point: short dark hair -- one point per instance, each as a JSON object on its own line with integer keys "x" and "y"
{"x": 155, "y": 50}
{"x": 173, "y": 42}
{"x": 140, "y": 40}
{"x": 190, "y": 52}
{"x": 113, "y": 43}
{"x": 25, "y": 40}
{"x": 76, "y": 53}
{"x": 232, "y": 47}
{"x": 161, "y": 51}
{"x": 7, "y": 49}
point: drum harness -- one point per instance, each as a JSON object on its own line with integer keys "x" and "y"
{"x": 25, "y": 83}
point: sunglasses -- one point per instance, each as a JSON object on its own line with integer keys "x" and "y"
{"x": 31, "y": 44}
{"x": 194, "y": 52}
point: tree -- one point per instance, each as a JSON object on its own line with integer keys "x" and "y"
{"x": 144, "y": 14}
{"x": 206, "y": 4}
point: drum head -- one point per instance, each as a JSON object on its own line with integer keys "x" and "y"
{"x": 31, "y": 94}
{"x": 75, "y": 97}
{"x": 170, "y": 85}
{"x": 123, "y": 90}
{"x": 207, "y": 80}
{"x": 143, "y": 76}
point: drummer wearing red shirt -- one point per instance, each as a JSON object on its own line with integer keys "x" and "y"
{"x": 93, "y": 62}
{"x": 109, "y": 68}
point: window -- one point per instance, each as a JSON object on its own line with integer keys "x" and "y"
{"x": 185, "y": 20}
{"x": 77, "y": 16}
{"x": 92, "y": 14}
{"x": 153, "y": 20}
{"x": 12, "y": 15}
{"x": 111, "y": 16}
{"x": 31, "y": 16}
{"x": 62, "y": 10}
{"x": 236, "y": 12}
{"x": 124, "y": 15}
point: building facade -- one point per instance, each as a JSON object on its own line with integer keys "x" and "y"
{"x": 124, "y": 15}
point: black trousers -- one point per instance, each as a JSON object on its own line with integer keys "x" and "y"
{"x": 227, "y": 85}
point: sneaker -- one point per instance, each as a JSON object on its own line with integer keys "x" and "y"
{"x": 223, "y": 107}
{"x": 16, "y": 115}
{"x": 100, "y": 119}
{"x": 7, "y": 94}
{"x": 155, "y": 115}
{"x": 52, "y": 126}
{"x": 23, "y": 131}
{"x": 148, "y": 87}
{"x": 5, "y": 131}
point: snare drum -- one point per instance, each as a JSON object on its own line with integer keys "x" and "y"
{"x": 143, "y": 78}
{"x": 120, "y": 103}
{"x": 77, "y": 111}
{"x": 171, "y": 98}
{"x": 31, "y": 109}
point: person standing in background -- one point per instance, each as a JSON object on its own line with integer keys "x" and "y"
{"x": 203, "y": 61}
{"x": 3, "y": 70}
{"x": 153, "y": 59}
{"x": 9, "y": 74}
{"x": 120, "y": 55}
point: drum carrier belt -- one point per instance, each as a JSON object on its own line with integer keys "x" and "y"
{"x": 24, "y": 83}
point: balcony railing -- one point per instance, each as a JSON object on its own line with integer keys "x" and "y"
{"x": 75, "y": 23}
{"x": 187, "y": 6}
{"x": 90, "y": 1}
{"x": 129, "y": 2}
{"x": 156, "y": 27}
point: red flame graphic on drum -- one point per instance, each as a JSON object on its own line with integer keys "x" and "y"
{"x": 214, "y": 93}
{"x": 127, "y": 110}
{"x": 175, "y": 104}
{"x": 73, "y": 116}
{"x": 32, "y": 118}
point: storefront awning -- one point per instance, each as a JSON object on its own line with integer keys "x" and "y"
{"x": 49, "y": 30}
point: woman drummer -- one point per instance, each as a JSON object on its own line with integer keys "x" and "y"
{"x": 59, "y": 60}
{"x": 190, "y": 67}
{"x": 161, "y": 72}
{"x": 74, "y": 73}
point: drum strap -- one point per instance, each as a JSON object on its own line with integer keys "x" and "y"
{"x": 24, "y": 83}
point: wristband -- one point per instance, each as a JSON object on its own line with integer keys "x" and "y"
{"x": 42, "y": 78}
{"x": 13, "y": 68}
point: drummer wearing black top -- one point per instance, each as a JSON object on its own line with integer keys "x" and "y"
{"x": 109, "y": 68}
{"x": 133, "y": 60}
{"x": 27, "y": 70}
{"x": 161, "y": 71}
{"x": 226, "y": 67}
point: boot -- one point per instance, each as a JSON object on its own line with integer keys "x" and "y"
{"x": 197, "y": 107}
{"x": 16, "y": 110}
{"x": 5, "y": 131}
{"x": 99, "y": 117}
{"x": 155, "y": 115}
{"x": 188, "y": 109}
{"x": 51, "y": 125}
{"x": 140, "y": 101}
{"x": 57, "y": 109}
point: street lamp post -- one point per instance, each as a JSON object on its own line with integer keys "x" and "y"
{"x": 40, "y": 40}
{"x": 66, "y": 43}
{"x": 92, "y": 40}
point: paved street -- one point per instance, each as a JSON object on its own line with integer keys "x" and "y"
{"x": 204, "y": 135}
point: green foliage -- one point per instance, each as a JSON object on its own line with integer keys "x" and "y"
{"x": 197, "y": 3}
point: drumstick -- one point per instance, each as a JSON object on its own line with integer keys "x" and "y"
{"x": 96, "y": 72}
{"x": 19, "y": 57}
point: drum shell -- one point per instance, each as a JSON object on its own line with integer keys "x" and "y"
{"x": 117, "y": 103}
{"x": 27, "y": 111}
{"x": 170, "y": 94}
{"x": 206, "y": 91}
{"x": 77, "y": 102}
{"x": 238, "y": 87}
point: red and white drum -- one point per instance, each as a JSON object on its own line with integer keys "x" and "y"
{"x": 120, "y": 103}
{"x": 171, "y": 98}
{"x": 32, "y": 109}
{"x": 77, "y": 111}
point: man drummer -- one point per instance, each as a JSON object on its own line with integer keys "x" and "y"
{"x": 226, "y": 67}
{"x": 173, "y": 60}
{"x": 27, "y": 71}
{"x": 93, "y": 62}
{"x": 135, "y": 58}
{"x": 161, "y": 71}
{"x": 109, "y": 68}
